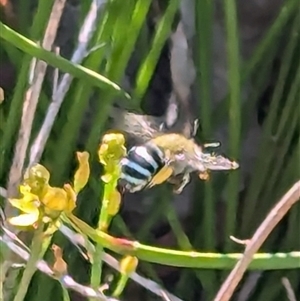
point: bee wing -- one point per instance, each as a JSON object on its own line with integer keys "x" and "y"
{"x": 139, "y": 126}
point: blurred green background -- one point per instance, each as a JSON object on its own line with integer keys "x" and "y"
{"x": 246, "y": 94}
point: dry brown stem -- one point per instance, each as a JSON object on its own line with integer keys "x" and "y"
{"x": 264, "y": 230}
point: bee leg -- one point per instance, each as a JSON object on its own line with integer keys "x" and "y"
{"x": 204, "y": 175}
{"x": 179, "y": 186}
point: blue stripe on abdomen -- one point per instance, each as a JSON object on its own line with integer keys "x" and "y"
{"x": 132, "y": 180}
{"x": 141, "y": 154}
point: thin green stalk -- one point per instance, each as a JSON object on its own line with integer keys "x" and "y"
{"x": 261, "y": 261}
{"x": 12, "y": 122}
{"x": 120, "y": 285}
{"x": 124, "y": 17}
{"x": 30, "y": 269}
{"x": 204, "y": 30}
{"x": 258, "y": 86}
{"x": 234, "y": 76}
{"x": 57, "y": 61}
{"x": 259, "y": 54}
{"x": 184, "y": 244}
{"x": 103, "y": 224}
{"x": 261, "y": 169}
{"x": 207, "y": 235}
{"x": 287, "y": 10}
{"x": 192, "y": 259}
{"x": 121, "y": 52}
{"x": 96, "y": 267}
{"x": 162, "y": 33}
{"x": 204, "y": 17}
{"x": 116, "y": 67}
{"x": 286, "y": 137}
{"x": 155, "y": 213}
{"x": 13, "y": 118}
{"x": 182, "y": 239}
{"x": 83, "y": 90}
{"x": 66, "y": 296}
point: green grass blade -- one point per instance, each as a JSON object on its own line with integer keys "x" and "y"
{"x": 57, "y": 61}
{"x": 261, "y": 51}
{"x": 116, "y": 67}
{"x": 263, "y": 162}
{"x": 235, "y": 100}
{"x": 14, "y": 116}
{"x": 147, "y": 68}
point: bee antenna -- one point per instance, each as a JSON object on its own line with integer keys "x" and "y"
{"x": 195, "y": 127}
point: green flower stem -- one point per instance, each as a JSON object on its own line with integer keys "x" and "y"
{"x": 103, "y": 225}
{"x": 104, "y": 216}
{"x": 187, "y": 259}
{"x": 121, "y": 285}
{"x": 96, "y": 267}
{"x": 66, "y": 296}
{"x": 36, "y": 250}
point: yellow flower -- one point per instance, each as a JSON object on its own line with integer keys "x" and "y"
{"x": 40, "y": 201}
{"x": 37, "y": 178}
{"x": 83, "y": 172}
{"x": 111, "y": 151}
{"x": 29, "y": 204}
{"x": 55, "y": 199}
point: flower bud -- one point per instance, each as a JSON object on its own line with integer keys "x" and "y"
{"x": 83, "y": 172}
{"x": 37, "y": 177}
{"x": 128, "y": 265}
{"x": 114, "y": 202}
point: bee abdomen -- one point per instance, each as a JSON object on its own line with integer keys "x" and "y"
{"x": 140, "y": 165}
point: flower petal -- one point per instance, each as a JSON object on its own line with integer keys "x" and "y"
{"x": 114, "y": 203}
{"x": 24, "y": 219}
{"x": 71, "y": 198}
{"x": 37, "y": 178}
{"x": 83, "y": 172}
{"x": 55, "y": 199}
{"x": 112, "y": 148}
{"x": 25, "y": 205}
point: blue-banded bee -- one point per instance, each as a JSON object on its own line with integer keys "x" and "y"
{"x": 163, "y": 155}
{"x": 140, "y": 165}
